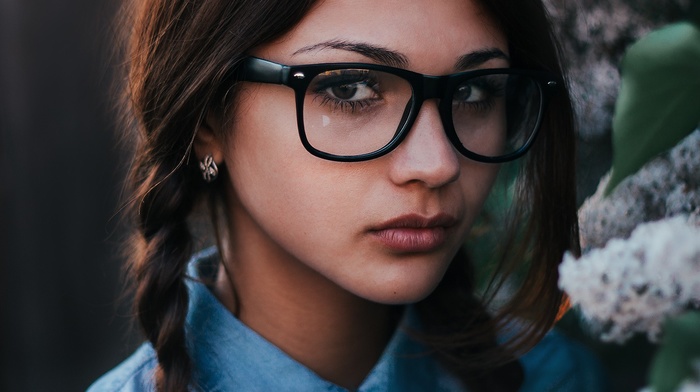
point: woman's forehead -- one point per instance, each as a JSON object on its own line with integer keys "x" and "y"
{"x": 430, "y": 35}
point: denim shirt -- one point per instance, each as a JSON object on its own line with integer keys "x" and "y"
{"x": 229, "y": 356}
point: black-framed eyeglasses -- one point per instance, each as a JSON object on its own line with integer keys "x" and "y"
{"x": 355, "y": 112}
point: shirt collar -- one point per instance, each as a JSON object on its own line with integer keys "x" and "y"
{"x": 230, "y": 356}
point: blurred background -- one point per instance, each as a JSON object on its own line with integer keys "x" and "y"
{"x": 62, "y": 322}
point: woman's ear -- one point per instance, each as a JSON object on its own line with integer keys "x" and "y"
{"x": 208, "y": 140}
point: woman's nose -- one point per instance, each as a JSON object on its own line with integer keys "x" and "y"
{"x": 426, "y": 155}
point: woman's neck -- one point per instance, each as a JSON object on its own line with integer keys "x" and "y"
{"x": 334, "y": 333}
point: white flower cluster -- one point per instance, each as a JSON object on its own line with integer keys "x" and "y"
{"x": 692, "y": 385}
{"x": 666, "y": 186}
{"x": 633, "y": 285}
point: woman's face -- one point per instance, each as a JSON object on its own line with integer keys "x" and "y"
{"x": 384, "y": 229}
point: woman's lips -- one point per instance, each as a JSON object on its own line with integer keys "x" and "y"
{"x": 414, "y": 233}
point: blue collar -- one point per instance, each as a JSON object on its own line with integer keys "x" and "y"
{"x": 230, "y": 356}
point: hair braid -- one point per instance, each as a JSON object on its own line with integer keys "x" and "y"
{"x": 162, "y": 245}
{"x": 164, "y": 187}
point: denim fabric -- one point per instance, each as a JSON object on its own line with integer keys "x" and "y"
{"x": 229, "y": 356}
{"x": 560, "y": 364}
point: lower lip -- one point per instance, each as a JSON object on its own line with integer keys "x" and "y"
{"x": 412, "y": 240}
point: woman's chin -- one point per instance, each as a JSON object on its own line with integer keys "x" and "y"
{"x": 401, "y": 291}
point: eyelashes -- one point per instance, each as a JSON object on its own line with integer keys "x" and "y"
{"x": 479, "y": 94}
{"x": 346, "y": 90}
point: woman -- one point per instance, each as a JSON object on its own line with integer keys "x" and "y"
{"x": 342, "y": 182}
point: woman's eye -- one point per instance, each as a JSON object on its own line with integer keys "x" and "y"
{"x": 478, "y": 94}
{"x": 346, "y": 90}
{"x": 351, "y": 92}
{"x": 346, "y": 85}
{"x": 470, "y": 93}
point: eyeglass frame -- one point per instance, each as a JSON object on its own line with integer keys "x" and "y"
{"x": 423, "y": 87}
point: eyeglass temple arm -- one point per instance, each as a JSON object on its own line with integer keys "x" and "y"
{"x": 253, "y": 69}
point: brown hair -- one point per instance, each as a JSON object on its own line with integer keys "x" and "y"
{"x": 179, "y": 55}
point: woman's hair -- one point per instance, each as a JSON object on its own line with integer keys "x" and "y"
{"x": 180, "y": 55}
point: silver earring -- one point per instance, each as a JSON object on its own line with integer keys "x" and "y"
{"x": 209, "y": 169}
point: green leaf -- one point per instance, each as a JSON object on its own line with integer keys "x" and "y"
{"x": 659, "y": 101}
{"x": 679, "y": 348}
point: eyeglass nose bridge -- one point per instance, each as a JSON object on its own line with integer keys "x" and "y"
{"x": 428, "y": 87}
{"x": 433, "y": 87}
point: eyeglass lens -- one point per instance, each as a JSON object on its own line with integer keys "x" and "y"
{"x": 358, "y": 111}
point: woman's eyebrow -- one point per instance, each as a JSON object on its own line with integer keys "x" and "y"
{"x": 376, "y": 53}
{"x": 475, "y": 59}
{"x": 395, "y": 59}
